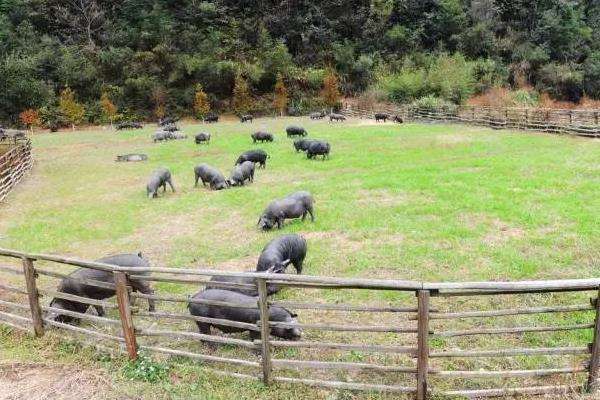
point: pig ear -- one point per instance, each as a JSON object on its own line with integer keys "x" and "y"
{"x": 293, "y": 314}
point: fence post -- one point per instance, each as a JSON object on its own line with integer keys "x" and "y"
{"x": 422, "y": 343}
{"x": 265, "y": 330}
{"x": 592, "y": 383}
{"x": 34, "y": 297}
{"x": 125, "y": 314}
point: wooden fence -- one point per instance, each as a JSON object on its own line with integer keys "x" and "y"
{"x": 575, "y": 122}
{"x": 418, "y": 368}
{"x": 15, "y": 161}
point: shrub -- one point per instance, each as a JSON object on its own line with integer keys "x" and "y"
{"x": 431, "y": 102}
{"x": 451, "y": 78}
{"x": 405, "y": 86}
{"x": 30, "y": 118}
{"x": 241, "y": 96}
{"x": 331, "y": 92}
{"x": 144, "y": 369}
{"x": 561, "y": 81}
{"x": 69, "y": 108}
{"x": 201, "y": 103}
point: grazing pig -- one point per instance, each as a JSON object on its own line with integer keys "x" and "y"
{"x": 336, "y": 117}
{"x": 242, "y": 173}
{"x": 132, "y": 157}
{"x": 211, "y": 118}
{"x": 318, "y": 148}
{"x": 295, "y": 205}
{"x": 159, "y": 179}
{"x": 160, "y": 136}
{"x": 250, "y": 291}
{"x": 293, "y": 130}
{"x": 302, "y": 144}
{"x": 170, "y": 128}
{"x": 247, "y": 315}
{"x": 77, "y": 288}
{"x": 317, "y": 115}
{"x": 282, "y": 251}
{"x": 206, "y": 173}
{"x": 246, "y": 118}
{"x": 202, "y": 137}
{"x": 381, "y": 117}
{"x": 128, "y": 125}
{"x": 261, "y": 136}
{"x": 256, "y": 156}
{"x": 398, "y": 119}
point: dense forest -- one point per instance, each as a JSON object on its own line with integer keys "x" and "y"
{"x": 146, "y": 58}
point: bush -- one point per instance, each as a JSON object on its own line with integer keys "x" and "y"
{"x": 431, "y": 102}
{"x": 405, "y": 86}
{"x": 451, "y": 78}
{"x": 561, "y": 81}
{"x": 144, "y": 369}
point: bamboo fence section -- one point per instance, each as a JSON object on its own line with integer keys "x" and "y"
{"x": 14, "y": 163}
{"x": 574, "y": 122}
{"x": 422, "y": 360}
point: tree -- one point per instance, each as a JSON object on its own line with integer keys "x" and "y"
{"x": 30, "y": 118}
{"x": 159, "y": 97}
{"x": 331, "y": 91}
{"x": 70, "y": 108}
{"x": 201, "y": 103}
{"x": 241, "y": 95}
{"x": 109, "y": 110}
{"x": 281, "y": 95}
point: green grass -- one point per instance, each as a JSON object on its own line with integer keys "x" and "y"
{"x": 413, "y": 201}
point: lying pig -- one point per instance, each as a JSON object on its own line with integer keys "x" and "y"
{"x": 295, "y": 205}
{"x": 261, "y": 136}
{"x": 160, "y": 136}
{"x": 256, "y": 156}
{"x": 318, "y": 148}
{"x": 77, "y": 288}
{"x": 248, "y": 315}
{"x": 242, "y": 173}
{"x": 159, "y": 179}
{"x": 336, "y": 117}
{"x": 294, "y": 130}
{"x": 213, "y": 176}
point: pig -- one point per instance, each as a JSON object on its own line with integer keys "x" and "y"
{"x": 160, "y": 136}
{"x": 211, "y": 118}
{"x": 293, "y": 130}
{"x": 232, "y": 313}
{"x": 242, "y": 173}
{"x": 381, "y": 117}
{"x": 302, "y": 144}
{"x": 202, "y": 137}
{"x": 295, "y": 205}
{"x": 318, "y": 148}
{"x": 398, "y": 119}
{"x": 128, "y": 125}
{"x": 132, "y": 157}
{"x": 246, "y": 118}
{"x": 261, "y": 136}
{"x": 317, "y": 115}
{"x": 170, "y": 128}
{"x": 336, "y": 117}
{"x": 159, "y": 179}
{"x": 271, "y": 288}
{"x": 256, "y": 156}
{"x": 178, "y": 136}
{"x": 167, "y": 121}
{"x": 74, "y": 287}
{"x": 206, "y": 173}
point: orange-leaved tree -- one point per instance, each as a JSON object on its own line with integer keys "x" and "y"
{"x": 331, "y": 92}
{"x": 241, "y": 95}
{"x": 201, "y": 103}
{"x": 109, "y": 109}
{"x": 30, "y": 118}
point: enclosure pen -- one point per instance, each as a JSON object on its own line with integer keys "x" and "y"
{"x": 14, "y": 163}
{"x": 432, "y": 305}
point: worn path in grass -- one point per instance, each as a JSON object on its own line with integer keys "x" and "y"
{"x": 413, "y": 201}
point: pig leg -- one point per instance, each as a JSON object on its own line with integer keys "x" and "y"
{"x": 196, "y": 183}
{"x": 310, "y": 211}
{"x": 144, "y": 287}
{"x": 100, "y": 311}
{"x": 170, "y": 182}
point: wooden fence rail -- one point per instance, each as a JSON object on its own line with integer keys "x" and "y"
{"x": 574, "y": 122}
{"x": 422, "y": 359}
{"x": 14, "y": 163}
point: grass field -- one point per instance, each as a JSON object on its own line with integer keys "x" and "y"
{"x": 413, "y": 201}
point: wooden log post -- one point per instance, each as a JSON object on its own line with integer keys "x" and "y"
{"x": 265, "y": 330}
{"x": 422, "y": 343}
{"x": 125, "y": 314}
{"x": 594, "y": 366}
{"x": 34, "y": 297}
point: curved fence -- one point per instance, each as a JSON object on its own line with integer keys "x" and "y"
{"x": 15, "y": 161}
{"x": 418, "y": 339}
{"x": 575, "y": 122}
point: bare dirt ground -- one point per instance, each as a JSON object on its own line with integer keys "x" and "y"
{"x": 50, "y": 381}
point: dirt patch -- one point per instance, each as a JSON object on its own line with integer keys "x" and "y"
{"x": 33, "y": 381}
{"x": 238, "y": 264}
{"x": 500, "y": 232}
{"x": 383, "y": 197}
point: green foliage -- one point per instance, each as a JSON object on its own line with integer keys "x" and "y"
{"x": 525, "y": 98}
{"x": 145, "y": 369}
{"x": 562, "y": 81}
{"x": 591, "y": 75}
{"x": 431, "y": 102}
